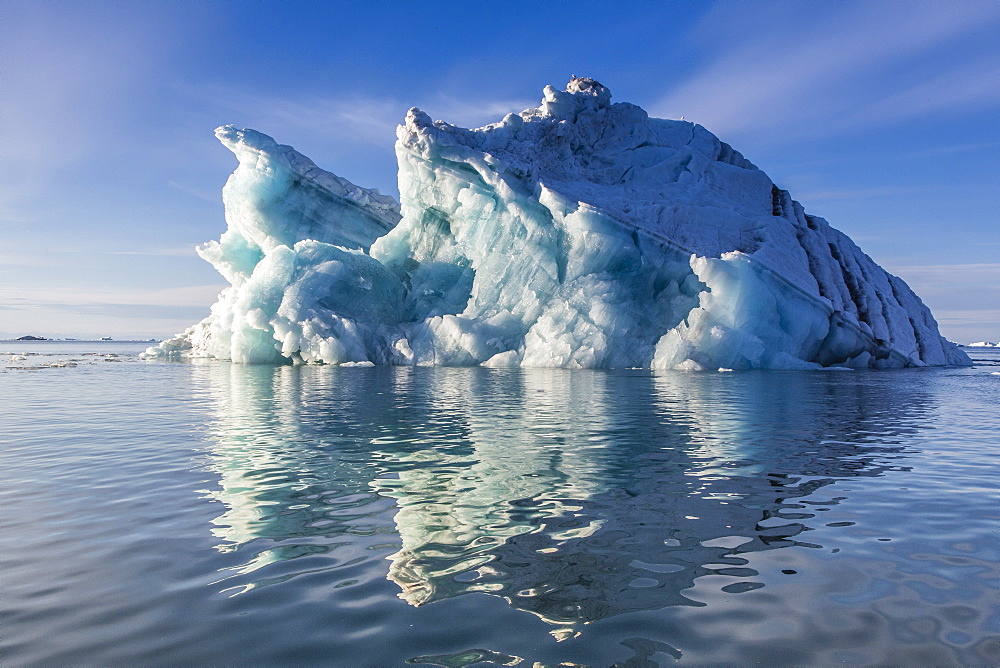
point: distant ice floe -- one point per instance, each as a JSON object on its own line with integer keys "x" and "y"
{"x": 581, "y": 233}
{"x": 37, "y": 361}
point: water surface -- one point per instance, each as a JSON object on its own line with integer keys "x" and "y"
{"x": 208, "y": 513}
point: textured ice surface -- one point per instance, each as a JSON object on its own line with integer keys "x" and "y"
{"x": 578, "y": 234}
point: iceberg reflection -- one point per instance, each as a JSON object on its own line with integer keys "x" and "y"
{"x": 574, "y": 495}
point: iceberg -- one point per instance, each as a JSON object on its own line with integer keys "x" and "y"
{"x": 578, "y": 234}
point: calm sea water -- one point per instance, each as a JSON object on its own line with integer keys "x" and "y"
{"x": 194, "y": 513}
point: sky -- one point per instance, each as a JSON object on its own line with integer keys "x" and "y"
{"x": 882, "y": 117}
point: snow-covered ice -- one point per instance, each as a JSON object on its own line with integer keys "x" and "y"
{"x": 582, "y": 233}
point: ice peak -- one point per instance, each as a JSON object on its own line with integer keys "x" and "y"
{"x": 416, "y": 118}
{"x": 588, "y": 86}
{"x": 582, "y": 93}
{"x": 233, "y": 137}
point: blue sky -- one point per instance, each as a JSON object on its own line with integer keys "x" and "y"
{"x": 883, "y": 117}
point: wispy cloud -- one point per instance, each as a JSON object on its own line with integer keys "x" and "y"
{"x": 966, "y": 326}
{"x": 190, "y": 314}
{"x": 56, "y": 257}
{"x": 972, "y": 86}
{"x": 849, "y": 194}
{"x": 954, "y": 286}
{"x": 978, "y": 271}
{"x": 124, "y": 312}
{"x": 69, "y": 297}
{"x": 71, "y": 73}
{"x": 177, "y": 251}
{"x": 954, "y": 148}
{"x": 964, "y": 298}
{"x": 199, "y": 191}
{"x": 988, "y": 318}
{"x": 826, "y": 67}
{"x": 475, "y": 113}
{"x": 351, "y": 117}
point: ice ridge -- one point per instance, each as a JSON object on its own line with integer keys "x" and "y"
{"x": 581, "y": 233}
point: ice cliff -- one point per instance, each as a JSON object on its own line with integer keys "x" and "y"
{"x": 582, "y": 233}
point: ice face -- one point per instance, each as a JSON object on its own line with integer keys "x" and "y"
{"x": 295, "y": 254}
{"x": 578, "y": 234}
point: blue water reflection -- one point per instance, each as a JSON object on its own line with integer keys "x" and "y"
{"x": 576, "y": 496}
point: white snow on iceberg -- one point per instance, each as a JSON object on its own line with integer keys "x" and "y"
{"x": 578, "y": 234}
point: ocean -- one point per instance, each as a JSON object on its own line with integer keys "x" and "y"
{"x": 204, "y": 513}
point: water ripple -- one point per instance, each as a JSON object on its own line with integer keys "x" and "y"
{"x": 207, "y": 512}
